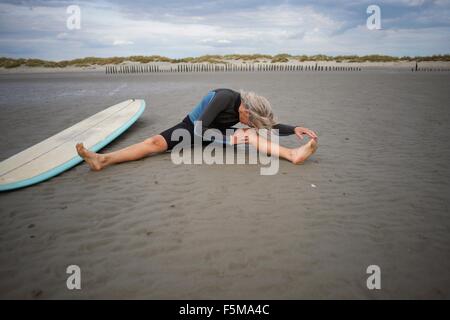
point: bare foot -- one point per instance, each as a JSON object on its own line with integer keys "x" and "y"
{"x": 94, "y": 160}
{"x": 299, "y": 155}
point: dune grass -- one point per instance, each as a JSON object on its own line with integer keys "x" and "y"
{"x": 279, "y": 58}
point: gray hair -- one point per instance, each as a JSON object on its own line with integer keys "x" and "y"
{"x": 260, "y": 110}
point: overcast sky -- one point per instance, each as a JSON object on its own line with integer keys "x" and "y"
{"x": 181, "y": 28}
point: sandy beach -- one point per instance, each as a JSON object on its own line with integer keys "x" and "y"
{"x": 375, "y": 193}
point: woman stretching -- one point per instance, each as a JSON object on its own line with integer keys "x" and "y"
{"x": 219, "y": 109}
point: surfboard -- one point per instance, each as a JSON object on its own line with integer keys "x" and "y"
{"x": 58, "y": 153}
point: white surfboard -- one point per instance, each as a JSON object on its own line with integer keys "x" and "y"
{"x": 58, "y": 153}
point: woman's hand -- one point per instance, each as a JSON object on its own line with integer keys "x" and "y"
{"x": 300, "y": 131}
{"x": 239, "y": 137}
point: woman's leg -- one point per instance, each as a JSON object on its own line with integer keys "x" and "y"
{"x": 295, "y": 155}
{"x": 98, "y": 161}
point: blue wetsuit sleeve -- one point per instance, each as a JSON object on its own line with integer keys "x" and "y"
{"x": 219, "y": 103}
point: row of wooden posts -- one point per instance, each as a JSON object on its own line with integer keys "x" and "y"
{"x": 431, "y": 69}
{"x": 137, "y": 68}
{"x": 418, "y": 69}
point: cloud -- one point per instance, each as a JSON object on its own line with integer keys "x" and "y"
{"x": 62, "y": 36}
{"x": 179, "y": 28}
{"x": 216, "y": 42}
{"x": 122, "y": 42}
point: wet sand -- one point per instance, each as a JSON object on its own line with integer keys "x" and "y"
{"x": 152, "y": 229}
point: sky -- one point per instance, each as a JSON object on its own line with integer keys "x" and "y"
{"x": 183, "y": 28}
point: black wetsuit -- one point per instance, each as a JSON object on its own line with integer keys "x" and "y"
{"x": 217, "y": 110}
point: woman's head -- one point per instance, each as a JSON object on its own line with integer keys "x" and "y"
{"x": 257, "y": 111}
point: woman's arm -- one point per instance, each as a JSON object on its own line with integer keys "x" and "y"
{"x": 286, "y": 130}
{"x": 218, "y": 104}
